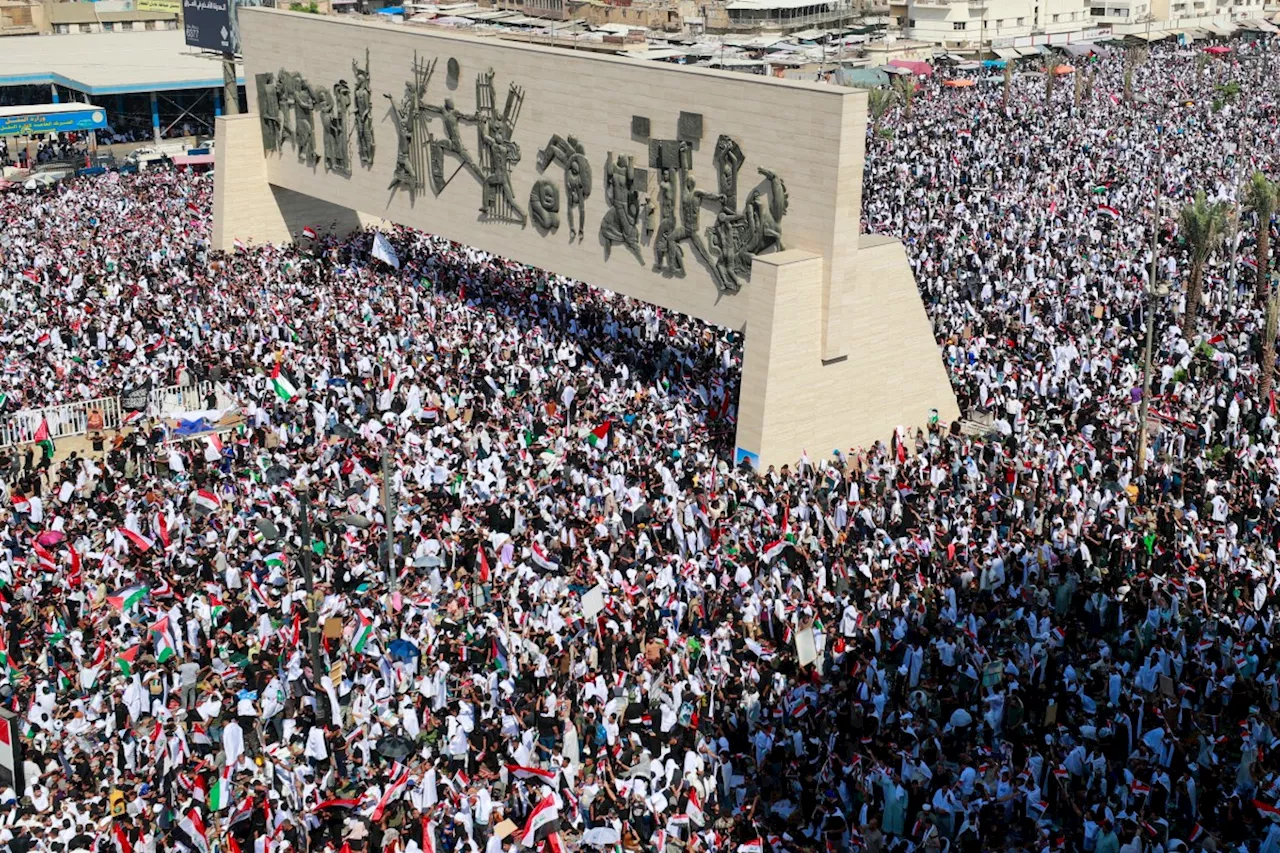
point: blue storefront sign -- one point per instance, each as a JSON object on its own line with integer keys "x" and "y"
{"x": 59, "y": 122}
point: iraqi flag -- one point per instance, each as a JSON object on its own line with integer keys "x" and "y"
{"x": 205, "y": 501}
{"x": 142, "y": 543}
{"x": 1107, "y": 211}
{"x": 20, "y": 503}
{"x": 543, "y": 560}
{"x": 280, "y": 383}
{"x": 399, "y": 778}
{"x": 773, "y": 550}
{"x": 753, "y": 846}
{"x": 541, "y": 822}
{"x": 538, "y": 773}
{"x": 122, "y": 840}
{"x": 309, "y": 233}
{"x": 192, "y": 826}
{"x": 694, "y": 808}
{"x": 1267, "y": 811}
{"x": 48, "y": 562}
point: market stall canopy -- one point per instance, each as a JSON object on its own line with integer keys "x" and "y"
{"x": 1217, "y": 50}
{"x": 958, "y": 84}
{"x": 1005, "y": 53}
{"x": 915, "y": 66}
{"x": 1062, "y": 70}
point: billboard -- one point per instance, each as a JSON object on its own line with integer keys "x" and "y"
{"x": 31, "y": 124}
{"x": 212, "y": 24}
{"x": 174, "y": 6}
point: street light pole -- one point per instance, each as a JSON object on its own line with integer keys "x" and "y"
{"x": 313, "y": 608}
{"x": 388, "y": 510}
{"x": 1144, "y": 404}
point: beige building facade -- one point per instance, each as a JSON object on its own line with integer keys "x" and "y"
{"x": 728, "y": 197}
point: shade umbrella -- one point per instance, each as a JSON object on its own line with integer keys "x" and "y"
{"x": 51, "y": 537}
{"x": 352, "y": 520}
{"x": 958, "y": 84}
{"x": 268, "y": 530}
{"x": 402, "y": 650}
{"x": 1063, "y": 70}
{"x": 600, "y": 836}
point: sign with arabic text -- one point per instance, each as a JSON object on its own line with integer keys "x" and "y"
{"x": 61, "y": 122}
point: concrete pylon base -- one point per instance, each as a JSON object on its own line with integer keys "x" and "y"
{"x": 248, "y": 208}
{"x": 792, "y": 402}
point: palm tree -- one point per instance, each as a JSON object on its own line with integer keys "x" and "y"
{"x": 1051, "y": 66}
{"x": 879, "y": 102}
{"x": 1133, "y": 57}
{"x": 1008, "y": 81}
{"x": 1079, "y": 81}
{"x": 905, "y": 87}
{"x": 1261, "y": 196}
{"x": 1201, "y": 224}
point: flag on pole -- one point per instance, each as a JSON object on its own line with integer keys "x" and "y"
{"x": 192, "y": 826}
{"x": 206, "y": 501}
{"x": 398, "y": 778}
{"x": 128, "y": 597}
{"x": 600, "y": 435}
{"x": 275, "y": 560}
{"x": 43, "y": 439}
{"x": 126, "y": 658}
{"x": 74, "y": 577}
{"x": 142, "y": 543}
{"x": 48, "y": 562}
{"x": 1108, "y": 211}
{"x": 20, "y": 503}
{"x": 543, "y": 559}
{"x": 362, "y": 634}
{"x": 283, "y": 387}
{"x": 773, "y": 550}
{"x": 384, "y": 251}
{"x": 166, "y": 646}
{"x": 540, "y": 818}
{"x": 220, "y": 793}
{"x": 309, "y": 233}
{"x": 484, "y": 565}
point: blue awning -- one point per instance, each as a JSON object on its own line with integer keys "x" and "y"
{"x": 392, "y": 10}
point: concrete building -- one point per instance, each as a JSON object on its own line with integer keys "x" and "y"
{"x": 68, "y": 18}
{"x": 971, "y": 24}
{"x": 751, "y": 185}
{"x": 22, "y": 18}
{"x": 150, "y": 81}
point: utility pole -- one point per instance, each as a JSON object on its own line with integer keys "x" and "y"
{"x": 388, "y": 515}
{"x": 313, "y": 606}
{"x": 230, "y": 88}
{"x": 1145, "y": 404}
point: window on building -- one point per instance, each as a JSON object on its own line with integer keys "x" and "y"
{"x": 108, "y": 26}
{"x": 1055, "y": 19}
{"x": 1097, "y": 13}
{"x": 61, "y": 29}
{"x": 911, "y": 22}
{"x": 999, "y": 23}
{"x": 1022, "y": 22}
{"x": 171, "y": 25}
{"x": 86, "y": 28}
{"x": 959, "y": 25}
{"x": 126, "y": 25}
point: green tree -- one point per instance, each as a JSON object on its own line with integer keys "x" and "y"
{"x": 904, "y": 86}
{"x": 1133, "y": 57}
{"x": 1201, "y": 224}
{"x": 1261, "y": 196}
{"x": 879, "y": 102}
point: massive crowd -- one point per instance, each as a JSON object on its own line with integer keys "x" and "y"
{"x": 594, "y": 633}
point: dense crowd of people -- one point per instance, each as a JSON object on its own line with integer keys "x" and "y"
{"x": 589, "y": 630}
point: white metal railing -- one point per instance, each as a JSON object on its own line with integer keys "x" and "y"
{"x": 70, "y": 419}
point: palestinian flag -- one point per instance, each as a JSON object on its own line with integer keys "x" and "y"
{"x": 142, "y": 543}
{"x": 192, "y": 826}
{"x": 283, "y": 387}
{"x": 206, "y": 501}
{"x": 599, "y": 437}
{"x": 216, "y": 609}
{"x": 128, "y": 597}
{"x": 162, "y": 633}
{"x": 1107, "y": 211}
{"x": 42, "y": 438}
{"x": 275, "y": 560}
{"x": 220, "y": 793}
{"x": 541, "y": 818}
{"x": 361, "y": 637}
{"x": 64, "y": 680}
{"x": 126, "y": 658}
{"x": 259, "y": 594}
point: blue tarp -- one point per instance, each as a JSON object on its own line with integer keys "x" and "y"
{"x": 993, "y": 63}
{"x": 392, "y": 10}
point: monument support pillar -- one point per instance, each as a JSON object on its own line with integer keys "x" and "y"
{"x": 247, "y": 207}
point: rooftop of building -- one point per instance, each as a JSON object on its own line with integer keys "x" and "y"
{"x": 109, "y": 63}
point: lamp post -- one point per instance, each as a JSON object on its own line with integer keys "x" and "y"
{"x": 313, "y": 606}
{"x": 1153, "y": 290}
